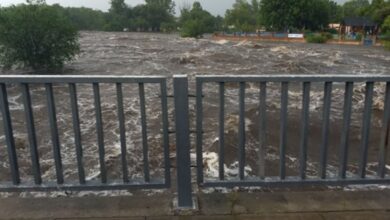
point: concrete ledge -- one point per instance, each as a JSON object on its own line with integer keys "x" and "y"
{"x": 294, "y": 202}
{"x": 85, "y": 207}
{"x": 261, "y": 205}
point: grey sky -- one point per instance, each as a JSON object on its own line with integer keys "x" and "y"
{"x": 216, "y": 7}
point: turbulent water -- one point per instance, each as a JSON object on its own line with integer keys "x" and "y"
{"x": 167, "y": 55}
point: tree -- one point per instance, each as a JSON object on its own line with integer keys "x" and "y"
{"x": 295, "y": 14}
{"x": 118, "y": 16}
{"x": 158, "y": 12}
{"x": 386, "y": 25}
{"x": 244, "y": 16}
{"x": 355, "y": 8}
{"x": 36, "y": 35}
{"x": 336, "y": 13}
{"x": 84, "y": 18}
{"x": 118, "y": 7}
{"x": 386, "y": 31}
{"x": 380, "y": 14}
{"x": 196, "y": 22}
{"x": 378, "y": 11}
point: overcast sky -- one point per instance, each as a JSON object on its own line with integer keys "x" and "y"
{"x": 216, "y": 7}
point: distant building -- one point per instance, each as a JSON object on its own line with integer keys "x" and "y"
{"x": 362, "y": 25}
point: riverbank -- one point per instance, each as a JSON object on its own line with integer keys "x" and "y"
{"x": 286, "y": 40}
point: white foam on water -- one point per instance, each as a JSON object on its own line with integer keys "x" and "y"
{"x": 221, "y": 42}
{"x": 211, "y": 164}
{"x": 243, "y": 43}
{"x": 279, "y": 49}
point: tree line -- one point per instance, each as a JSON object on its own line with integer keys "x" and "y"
{"x": 245, "y": 16}
{"x": 298, "y": 15}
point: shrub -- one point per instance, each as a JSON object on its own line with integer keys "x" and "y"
{"x": 36, "y": 35}
{"x": 331, "y": 31}
{"x": 196, "y": 22}
{"x": 386, "y": 25}
{"x": 359, "y": 37}
{"x": 192, "y": 29}
{"x": 327, "y": 35}
{"x": 387, "y": 45}
{"x": 315, "y": 38}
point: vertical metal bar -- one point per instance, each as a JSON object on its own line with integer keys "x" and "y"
{"x": 325, "y": 129}
{"x": 54, "y": 132}
{"x": 241, "y": 131}
{"x": 100, "y": 132}
{"x": 145, "y": 146}
{"x": 221, "y": 130}
{"x": 31, "y": 133}
{"x": 283, "y": 130}
{"x": 385, "y": 134}
{"x": 13, "y": 160}
{"x": 180, "y": 84}
{"x": 346, "y": 129}
{"x": 164, "y": 105}
{"x": 199, "y": 130}
{"x": 262, "y": 130}
{"x": 77, "y": 133}
{"x": 122, "y": 132}
{"x": 366, "y": 129}
{"x": 304, "y": 129}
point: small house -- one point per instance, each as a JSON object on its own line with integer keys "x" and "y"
{"x": 351, "y": 26}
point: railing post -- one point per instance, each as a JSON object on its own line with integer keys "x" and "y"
{"x": 180, "y": 84}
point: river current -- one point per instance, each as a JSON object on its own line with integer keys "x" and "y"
{"x": 157, "y": 54}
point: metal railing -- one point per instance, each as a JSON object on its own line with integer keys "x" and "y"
{"x": 82, "y": 184}
{"x": 182, "y": 124}
{"x": 282, "y": 179}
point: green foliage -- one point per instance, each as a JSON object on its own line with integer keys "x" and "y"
{"x": 386, "y": 31}
{"x": 386, "y": 25}
{"x": 336, "y": 12}
{"x": 196, "y": 22}
{"x": 244, "y": 16}
{"x": 282, "y": 15}
{"x": 168, "y": 27}
{"x": 327, "y": 35}
{"x": 387, "y": 45}
{"x": 359, "y": 37}
{"x": 331, "y": 31}
{"x": 378, "y": 10}
{"x": 118, "y": 17}
{"x": 159, "y": 12}
{"x": 36, "y": 35}
{"x": 355, "y": 8}
{"x": 154, "y": 15}
{"x": 85, "y": 18}
{"x": 316, "y": 38}
{"x": 192, "y": 28}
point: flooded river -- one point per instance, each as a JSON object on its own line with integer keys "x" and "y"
{"x": 167, "y": 55}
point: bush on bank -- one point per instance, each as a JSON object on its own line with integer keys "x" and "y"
{"x": 316, "y": 38}
{"x": 36, "y": 35}
{"x": 387, "y": 45}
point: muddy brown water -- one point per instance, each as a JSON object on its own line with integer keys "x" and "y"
{"x": 158, "y": 54}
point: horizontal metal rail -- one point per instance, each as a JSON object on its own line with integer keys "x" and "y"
{"x": 88, "y": 186}
{"x": 293, "y": 78}
{"x": 105, "y": 183}
{"x": 80, "y": 79}
{"x": 301, "y": 179}
{"x": 294, "y": 182}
